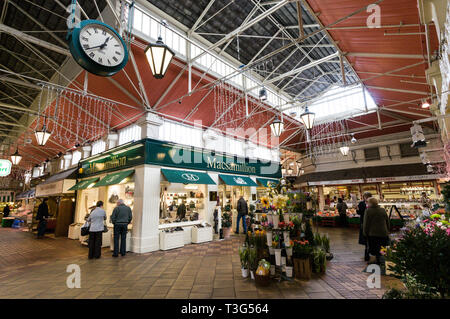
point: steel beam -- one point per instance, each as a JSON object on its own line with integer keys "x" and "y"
{"x": 384, "y": 55}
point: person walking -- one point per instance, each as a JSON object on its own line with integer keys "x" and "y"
{"x": 120, "y": 218}
{"x": 96, "y": 226}
{"x": 41, "y": 216}
{"x": 6, "y": 211}
{"x": 376, "y": 228}
{"x": 362, "y": 206}
{"x": 242, "y": 209}
{"x": 342, "y": 209}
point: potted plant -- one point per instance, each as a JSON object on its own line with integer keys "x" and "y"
{"x": 243, "y": 256}
{"x": 302, "y": 251}
{"x": 252, "y": 261}
{"x": 277, "y": 252}
{"x": 226, "y": 224}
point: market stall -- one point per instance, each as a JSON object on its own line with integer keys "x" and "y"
{"x": 61, "y": 201}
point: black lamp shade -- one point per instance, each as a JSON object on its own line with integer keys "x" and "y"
{"x": 277, "y": 127}
{"x": 308, "y": 118}
{"x": 16, "y": 157}
{"x": 159, "y": 57}
{"x": 263, "y": 94}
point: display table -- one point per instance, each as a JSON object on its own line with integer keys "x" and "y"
{"x": 202, "y": 234}
{"x": 180, "y": 224}
{"x": 8, "y": 221}
{"x": 171, "y": 240}
{"x": 74, "y": 231}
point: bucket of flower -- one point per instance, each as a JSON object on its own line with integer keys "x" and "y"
{"x": 302, "y": 251}
{"x": 262, "y": 277}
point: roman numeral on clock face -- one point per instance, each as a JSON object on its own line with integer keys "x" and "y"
{"x": 92, "y": 55}
{"x": 86, "y": 46}
{"x": 84, "y": 39}
{"x": 103, "y": 32}
{"x": 115, "y": 59}
{"x": 95, "y": 30}
{"x": 100, "y": 60}
{"x": 118, "y": 53}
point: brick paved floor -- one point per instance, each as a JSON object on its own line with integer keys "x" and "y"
{"x": 31, "y": 268}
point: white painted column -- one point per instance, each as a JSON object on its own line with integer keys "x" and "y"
{"x": 145, "y": 234}
{"x": 321, "y": 197}
{"x": 86, "y": 151}
{"x": 67, "y": 160}
{"x": 211, "y": 205}
{"x": 150, "y": 124}
{"x": 210, "y": 139}
{"x": 111, "y": 140}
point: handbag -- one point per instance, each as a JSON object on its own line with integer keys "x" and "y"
{"x": 84, "y": 231}
{"x": 105, "y": 228}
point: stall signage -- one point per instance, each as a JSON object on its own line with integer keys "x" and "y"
{"x": 340, "y": 182}
{"x": 405, "y": 178}
{"x": 179, "y": 156}
{"x": 190, "y": 177}
{"x": 173, "y": 155}
{"x": 5, "y": 167}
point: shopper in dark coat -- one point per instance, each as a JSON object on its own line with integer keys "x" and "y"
{"x": 6, "y": 211}
{"x": 376, "y": 228}
{"x": 242, "y": 209}
{"x": 120, "y": 218}
{"x": 342, "y": 209}
{"x": 362, "y": 206}
{"x": 41, "y": 216}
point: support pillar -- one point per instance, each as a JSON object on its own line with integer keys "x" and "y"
{"x": 67, "y": 160}
{"x": 321, "y": 197}
{"x": 111, "y": 140}
{"x": 145, "y": 233}
{"x": 150, "y": 124}
{"x": 86, "y": 151}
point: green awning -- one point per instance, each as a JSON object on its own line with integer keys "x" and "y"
{"x": 114, "y": 178}
{"x": 236, "y": 180}
{"x": 266, "y": 181}
{"x": 187, "y": 177}
{"x": 84, "y": 184}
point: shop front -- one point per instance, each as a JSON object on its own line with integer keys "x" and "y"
{"x": 159, "y": 177}
{"x": 61, "y": 201}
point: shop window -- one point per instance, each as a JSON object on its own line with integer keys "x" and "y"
{"x": 407, "y": 151}
{"x": 372, "y": 154}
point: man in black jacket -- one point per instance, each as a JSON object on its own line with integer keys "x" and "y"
{"x": 6, "y": 211}
{"x": 242, "y": 209}
{"x": 362, "y": 206}
{"x": 120, "y": 218}
{"x": 41, "y": 216}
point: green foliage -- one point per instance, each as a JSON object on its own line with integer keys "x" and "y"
{"x": 413, "y": 290}
{"x": 226, "y": 220}
{"x": 252, "y": 258}
{"x": 243, "y": 256}
{"x": 309, "y": 236}
{"x": 301, "y": 249}
{"x": 319, "y": 260}
{"x": 424, "y": 258}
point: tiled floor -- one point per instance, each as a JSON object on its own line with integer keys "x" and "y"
{"x": 31, "y": 268}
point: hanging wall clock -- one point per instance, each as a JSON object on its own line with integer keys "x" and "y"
{"x": 98, "y": 48}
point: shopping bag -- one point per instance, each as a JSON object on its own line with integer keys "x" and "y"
{"x": 84, "y": 231}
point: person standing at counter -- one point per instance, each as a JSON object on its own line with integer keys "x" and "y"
{"x": 41, "y": 216}
{"x": 96, "y": 226}
{"x": 342, "y": 209}
{"x": 362, "y": 206}
{"x": 120, "y": 218}
{"x": 242, "y": 209}
{"x": 376, "y": 228}
{"x": 6, "y": 211}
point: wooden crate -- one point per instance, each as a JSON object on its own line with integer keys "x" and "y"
{"x": 328, "y": 221}
{"x": 302, "y": 268}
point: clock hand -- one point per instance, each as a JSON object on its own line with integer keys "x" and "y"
{"x": 104, "y": 44}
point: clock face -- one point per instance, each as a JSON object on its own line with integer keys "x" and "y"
{"x": 102, "y": 45}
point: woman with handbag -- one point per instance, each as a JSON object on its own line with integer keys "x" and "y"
{"x": 97, "y": 226}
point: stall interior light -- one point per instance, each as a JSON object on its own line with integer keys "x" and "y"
{"x": 308, "y": 118}
{"x": 16, "y": 157}
{"x": 277, "y": 127}
{"x": 159, "y": 57}
{"x": 191, "y": 186}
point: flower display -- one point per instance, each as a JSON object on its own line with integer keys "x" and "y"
{"x": 265, "y": 202}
